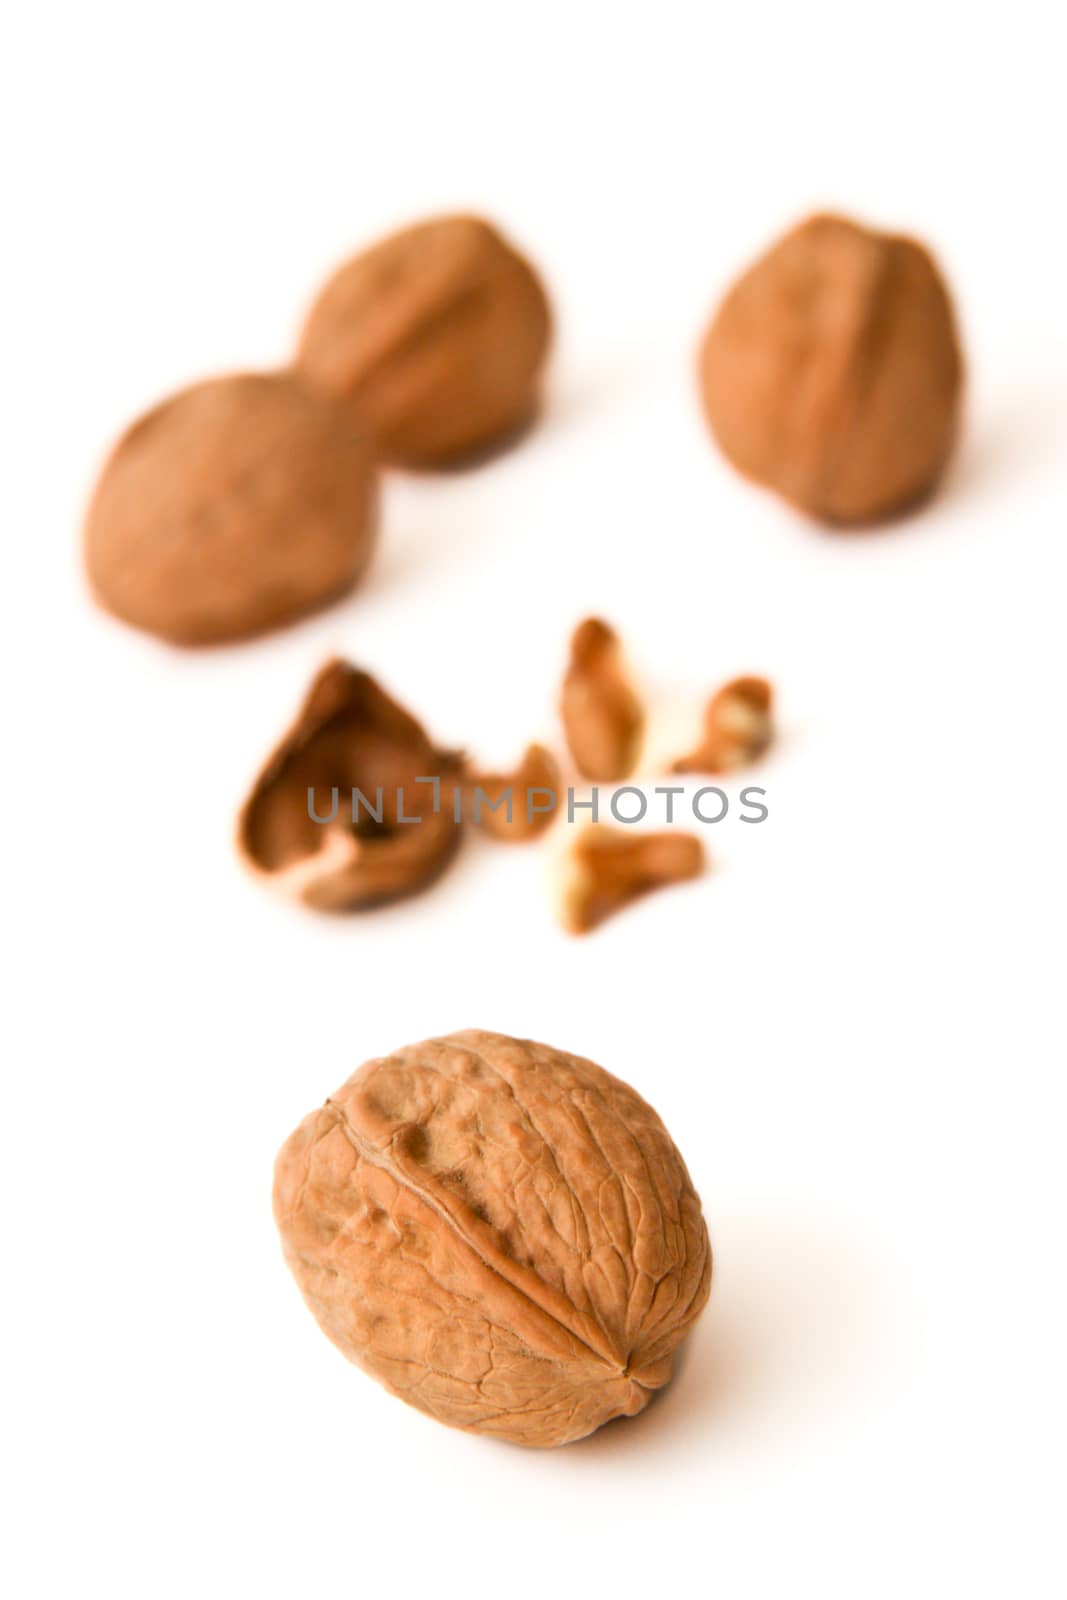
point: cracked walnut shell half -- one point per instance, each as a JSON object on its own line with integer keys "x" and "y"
{"x": 356, "y": 806}
{"x": 502, "y": 1234}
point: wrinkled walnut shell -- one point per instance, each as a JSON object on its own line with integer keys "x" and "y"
{"x": 606, "y": 868}
{"x": 437, "y": 338}
{"x": 233, "y": 507}
{"x": 502, "y": 1234}
{"x": 832, "y": 372}
{"x": 517, "y": 806}
{"x": 738, "y": 728}
{"x": 603, "y": 719}
{"x": 350, "y": 736}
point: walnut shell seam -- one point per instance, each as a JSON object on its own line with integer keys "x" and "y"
{"x": 453, "y": 1309}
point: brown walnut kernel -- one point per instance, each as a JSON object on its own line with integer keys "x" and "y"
{"x": 392, "y": 838}
{"x": 603, "y": 719}
{"x": 518, "y": 806}
{"x": 502, "y": 1234}
{"x": 832, "y": 371}
{"x": 233, "y": 507}
{"x": 437, "y": 337}
{"x": 738, "y": 728}
{"x": 607, "y": 868}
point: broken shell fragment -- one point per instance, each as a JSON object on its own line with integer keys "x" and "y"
{"x": 356, "y": 806}
{"x": 606, "y": 868}
{"x": 738, "y": 728}
{"x": 517, "y": 806}
{"x": 603, "y": 719}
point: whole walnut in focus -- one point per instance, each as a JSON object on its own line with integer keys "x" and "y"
{"x": 235, "y": 506}
{"x": 832, "y": 371}
{"x": 502, "y": 1234}
{"x": 437, "y": 336}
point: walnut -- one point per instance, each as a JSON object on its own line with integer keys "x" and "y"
{"x": 738, "y": 728}
{"x": 832, "y": 372}
{"x": 502, "y": 1234}
{"x": 356, "y": 806}
{"x": 603, "y": 719}
{"x": 606, "y": 868}
{"x": 437, "y": 336}
{"x": 233, "y": 507}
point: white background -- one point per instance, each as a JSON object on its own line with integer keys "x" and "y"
{"x": 852, "y": 1026}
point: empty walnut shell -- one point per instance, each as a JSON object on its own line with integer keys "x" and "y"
{"x": 832, "y": 372}
{"x": 355, "y": 807}
{"x": 233, "y": 507}
{"x": 603, "y": 719}
{"x": 437, "y": 337}
{"x": 502, "y": 1234}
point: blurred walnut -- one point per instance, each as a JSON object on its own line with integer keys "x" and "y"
{"x": 437, "y": 336}
{"x": 603, "y": 719}
{"x": 502, "y": 1234}
{"x": 738, "y": 728}
{"x": 832, "y": 371}
{"x": 233, "y": 507}
{"x": 517, "y": 806}
{"x": 356, "y": 806}
{"x": 606, "y": 868}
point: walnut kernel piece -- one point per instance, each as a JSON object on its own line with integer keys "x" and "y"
{"x": 437, "y": 338}
{"x": 738, "y": 728}
{"x": 603, "y": 719}
{"x": 233, "y": 507}
{"x": 518, "y": 806}
{"x": 832, "y": 371}
{"x": 606, "y": 868}
{"x": 354, "y": 752}
{"x": 502, "y": 1234}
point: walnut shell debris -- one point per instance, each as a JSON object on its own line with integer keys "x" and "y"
{"x": 738, "y": 728}
{"x": 354, "y": 753}
{"x": 437, "y": 337}
{"x": 502, "y": 1234}
{"x": 832, "y": 372}
{"x": 517, "y": 806}
{"x": 606, "y": 868}
{"x": 603, "y": 719}
{"x": 233, "y": 507}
